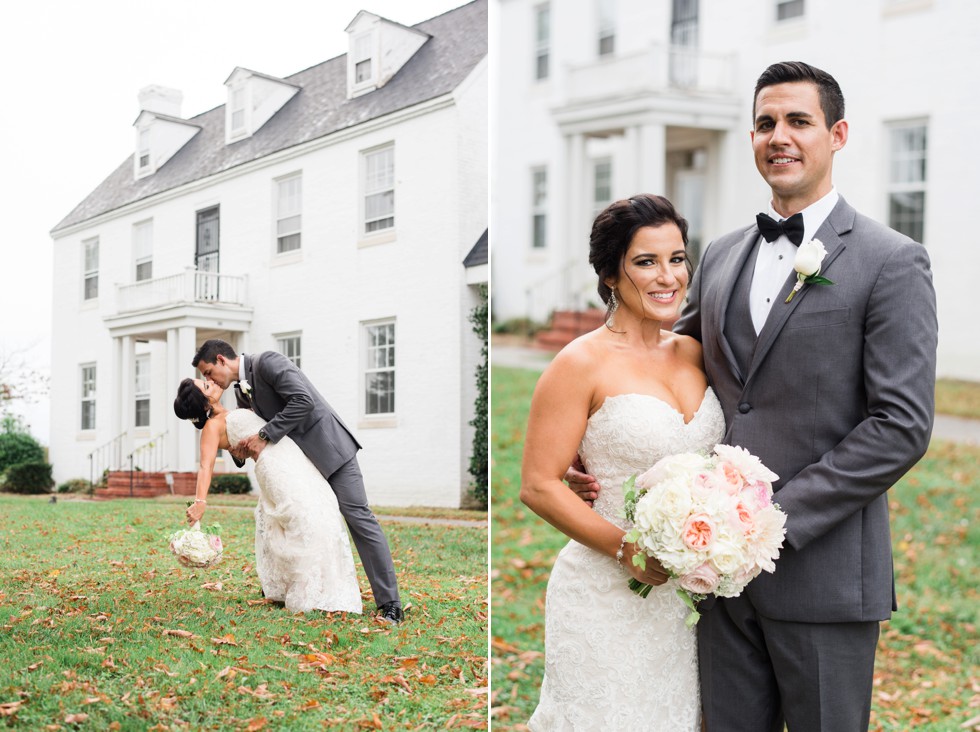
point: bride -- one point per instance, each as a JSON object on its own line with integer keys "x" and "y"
{"x": 621, "y": 397}
{"x": 302, "y": 553}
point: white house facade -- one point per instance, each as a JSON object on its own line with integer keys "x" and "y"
{"x": 595, "y": 100}
{"x": 334, "y": 215}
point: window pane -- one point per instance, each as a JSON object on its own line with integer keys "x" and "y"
{"x": 789, "y": 9}
{"x": 906, "y": 213}
{"x": 91, "y": 287}
{"x": 142, "y": 417}
{"x": 88, "y": 415}
{"x": 362, "y": 71}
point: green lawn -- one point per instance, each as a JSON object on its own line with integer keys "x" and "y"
{"x": 926, "y": 674}
{"x": 101, "y": 629}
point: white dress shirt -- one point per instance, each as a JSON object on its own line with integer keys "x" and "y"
{"x": 774, "y": 262}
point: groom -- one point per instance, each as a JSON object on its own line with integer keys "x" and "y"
{"x": 834, "y": 391}
{"x": 274, "y": 388}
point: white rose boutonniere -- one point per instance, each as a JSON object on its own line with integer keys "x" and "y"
{"x": 809, "y": 258}
{"x": 245, "y": 387}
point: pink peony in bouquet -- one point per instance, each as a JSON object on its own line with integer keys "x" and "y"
{"x": 196, "y": 548}
{"x": 708, "y": 519}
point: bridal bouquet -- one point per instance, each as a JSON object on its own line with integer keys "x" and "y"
{"x": 708, "y": 519}
{"x": 196, "y": 548}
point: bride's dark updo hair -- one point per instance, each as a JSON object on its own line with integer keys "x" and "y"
{"x": 614, "y": 228}
{"x": 191, "y": 404}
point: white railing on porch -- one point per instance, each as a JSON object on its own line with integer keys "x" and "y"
{"x": 655, "y": 68}
{"x": 190, "y": 286}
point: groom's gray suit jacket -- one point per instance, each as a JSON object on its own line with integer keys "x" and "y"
{"x": 836, "y": 396}
{"x": 283, "y": 396}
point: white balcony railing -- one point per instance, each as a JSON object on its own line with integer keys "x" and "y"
{"x": 657, "y": 68}
{"x": 187, "y": 287}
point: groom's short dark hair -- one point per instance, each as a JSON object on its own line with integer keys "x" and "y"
{"x": 211, "y": 349}
{"x": 785, "y": 72}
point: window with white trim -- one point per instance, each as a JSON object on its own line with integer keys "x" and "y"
{"x": 908, "y": 153}
{"x": 143, "y": 250}
{"x": 144, "y": 151}
{"x": 607, "y": 27}
{"x": 789, "y": 9}
{"x": 238, "y": 110}
{"x": 601, "y": 184}
{"x": 290, "y": 347}
{"x": 379, "y": 189}
{"x": 542, "y": 41}
{"x": 90, "y": 269}
{"x": 88, "y": 396}
{"x": 141, "y": 372}
{"x": 289, "y": 213}
{"x": 379, "y": 368}
{"x": 539, "y": 208}
{"x": 363, "y": 63}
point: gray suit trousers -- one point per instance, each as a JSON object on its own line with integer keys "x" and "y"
{"x": 372, "y": 546}
{"x": 757, "y": 673}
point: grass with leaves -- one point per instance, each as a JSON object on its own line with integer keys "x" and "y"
{"x": 101, "y": 629}
{"x": 926, "y": 670}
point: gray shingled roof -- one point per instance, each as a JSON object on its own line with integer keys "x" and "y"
{"x": 457, "y": 43}
{"x": 478, "y": 254}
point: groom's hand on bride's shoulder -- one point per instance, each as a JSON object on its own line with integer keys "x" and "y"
{"x": 584, "y": 485}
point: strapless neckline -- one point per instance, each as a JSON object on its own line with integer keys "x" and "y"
{"x": 671, "y": 408}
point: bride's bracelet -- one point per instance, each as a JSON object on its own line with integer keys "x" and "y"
{"x": 199, "y": 500}
{"x": 619, "y": 552}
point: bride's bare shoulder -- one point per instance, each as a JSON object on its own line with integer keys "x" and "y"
{"x": 687, "y": 348}
{"x": 584, "y": 353}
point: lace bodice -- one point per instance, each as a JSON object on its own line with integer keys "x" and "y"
{"x": 614, "y": 660}
{"x": 631, "y": 432}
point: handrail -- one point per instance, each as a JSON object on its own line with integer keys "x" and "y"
{"x": 109, "y": 457}
{"x": 152, "y": 454}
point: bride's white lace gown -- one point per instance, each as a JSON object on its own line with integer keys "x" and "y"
{"x": 615, "y": 661}
{"x": 302, "y": 552}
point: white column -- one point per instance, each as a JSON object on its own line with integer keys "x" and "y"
{"x": 630, "y": 174}
{"x": 575, "y": 215}
{"x": 116, "y": 398}
{"x": 181, "y": 344}
{"x": 652, "y": 159}
{"x": 126, "y": 391}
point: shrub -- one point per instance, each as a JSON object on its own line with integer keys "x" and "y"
{"x": 518, "y": 326}
{"x": 19, "y": 447}
{"x": 28, "y": 478}
{"x": 76, "y": 485}
{"x": 478, "y": 456}
{"x": 231, "y": 483}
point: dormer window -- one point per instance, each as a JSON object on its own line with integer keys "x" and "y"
{"x": 144, "y": 151}
{"x": 363, "y": 71}
{"x": 376, "y": 51}
{"x": 238, "y": 111}
{"x": 253, "y": 99}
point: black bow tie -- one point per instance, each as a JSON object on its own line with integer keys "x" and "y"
{"x": 791, "y": 227}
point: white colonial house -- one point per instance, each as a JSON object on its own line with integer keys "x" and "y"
{"x": 598, "y": 99}
{"x": 338, "y": 215}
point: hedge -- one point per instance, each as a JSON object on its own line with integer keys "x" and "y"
{"x": 230, "y": 483}
{"x": 28, "y": 478}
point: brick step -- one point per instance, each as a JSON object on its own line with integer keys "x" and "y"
{"x": 146, "y": 485}
{"x": 567, "y": 325}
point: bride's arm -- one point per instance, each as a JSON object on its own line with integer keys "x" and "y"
{"x": 210, "y": 440}
{"x": 559, "y": 413}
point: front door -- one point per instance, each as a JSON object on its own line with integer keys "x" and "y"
{"x": 206, "y": 255}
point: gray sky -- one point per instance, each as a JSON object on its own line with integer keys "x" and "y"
{"x": 72, "y": 71}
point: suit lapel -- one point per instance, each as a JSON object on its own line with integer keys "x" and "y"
{"x": 737, "y": 257}
{"x": 839, "y": 222}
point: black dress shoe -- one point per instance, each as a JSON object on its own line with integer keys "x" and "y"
{"x": 391, "y": 612}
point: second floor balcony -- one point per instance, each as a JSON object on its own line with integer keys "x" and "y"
{"x": 187, "y": 287}
{"x": 658, "y": 68}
